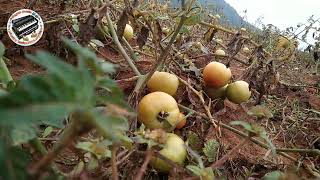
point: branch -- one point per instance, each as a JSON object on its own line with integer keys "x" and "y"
{"x": 144, "y": 166}
{"x": 115, "y": 175}
{"x": 142, "y": 82}
{"x": 201, "y": 99}
{"x": 122, "y": 51}
{"x": 238, "y": 132}
{"x": 230, "y": 154}
{"x": 231, "y": 32}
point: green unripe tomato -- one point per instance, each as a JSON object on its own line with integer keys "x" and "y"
{"x": 215, "y": 93}
{"x": 238, "y": 92}
{"x": 174, "y": 150}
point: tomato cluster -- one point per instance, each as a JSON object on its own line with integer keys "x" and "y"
{"x": 217, "y": 77}
{"x": 159, "y": 109}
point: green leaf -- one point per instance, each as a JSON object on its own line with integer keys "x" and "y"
{"x": 47, "y": 131}
{"x": 97, "y": 42}
{"x": 260, "y": 112}
{"x": 194, "y": 141}
{"x": 210, "y": 149}
{"x": 195, "y": 169}
{"x": 263, "y": 134}
{"x": 88, "y": 59}
{"x": 22, "y": 133}
{"x": 77, "y": 169}
{"x": 193, "y": 19}
{"x": 112, "y": 93}
{"x": 99, "y": 150}
{"x": 39, "y": 99}
{"x": 207, "y": 174}
{"x": 274, "y": 175}
{"x": 111, "y": 127}
{"x": 245, "y": 125}
{"x": 2, "y": 49}
{"x": 13, "y": 162}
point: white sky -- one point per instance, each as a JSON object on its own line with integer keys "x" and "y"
{"x": 281, "y": 13}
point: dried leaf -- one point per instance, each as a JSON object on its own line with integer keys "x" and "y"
{"x": 208, "y": 36}
{"x": 143, "y": 36}
{"x": 260, "y": 111}
{"x": 87, "y": 29}
{"x": 121, "y": 24}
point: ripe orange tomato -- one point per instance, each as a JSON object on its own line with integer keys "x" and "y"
{"x": 164, "y": 82}
{"x": 182, "y": 121}
{"x": 216, "y": 75}
{"x": 158, "y": 110}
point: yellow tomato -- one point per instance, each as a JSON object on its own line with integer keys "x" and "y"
{"x": 164, "y": 82}
{"x": 128, "y": 32}
{"x": 220, "y": 52}
{"x": 158, "y": 110}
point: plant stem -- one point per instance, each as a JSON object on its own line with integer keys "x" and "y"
{"x": 76, "y": 127}
{"x": 240, "y": 133}
{"x": 131, "y": 51}
{"x": 115, "y": 175}
{"x": 301, "y": 151}
{"x": 144, "y": 166}
{"x": 122, "y": 51}
{"x": 161, "y": 59}
{"x": 230, "y": 154}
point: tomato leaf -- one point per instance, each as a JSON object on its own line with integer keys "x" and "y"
{"x": 195, "y": 169}
{"x": 13, "y": 162}
{"x": 47, "y": 132}
{"x": 210, "y": 149}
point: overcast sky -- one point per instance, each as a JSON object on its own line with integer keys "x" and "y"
{"x": 281, "y": 13}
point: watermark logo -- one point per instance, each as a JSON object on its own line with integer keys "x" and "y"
{"x": 25, "y": 27}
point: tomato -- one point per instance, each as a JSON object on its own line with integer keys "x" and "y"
{"x": 158, "y": 110}
{"x": 220, "y": 52}
{"x": 283, "y": 42}
{"x": 216, "y": 75}
{"x": 182, "y": 121}
{"x": 164, "y": 82}
{"x": 128, "y": 32}
{"x": 238, "y": 92}
{"x": 215, "y": 93}
{"x": 174, "y": 150}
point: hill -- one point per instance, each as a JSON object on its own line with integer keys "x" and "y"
{"x": 229, "y": 15}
